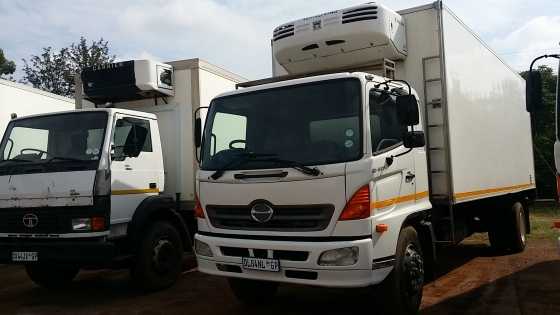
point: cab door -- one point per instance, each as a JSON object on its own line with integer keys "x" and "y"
{"x": 393, "y": 169}
{"x": 134, "y": 175}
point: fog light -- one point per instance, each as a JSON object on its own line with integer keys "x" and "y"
{"x": 81, "y": 224}
{"x": 202, "y": 249}
{"x": 340, "y": 257}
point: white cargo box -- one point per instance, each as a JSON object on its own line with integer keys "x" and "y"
{"x": 360, "y": 35}
{"x": 23, "y": 100}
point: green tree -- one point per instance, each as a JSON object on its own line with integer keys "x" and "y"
{"x": 54, "y": 71}
{"x": 6, "y": 66}
{"x": 544, "y": 135}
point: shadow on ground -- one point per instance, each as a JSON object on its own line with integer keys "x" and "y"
{"x": 470, "y": 280}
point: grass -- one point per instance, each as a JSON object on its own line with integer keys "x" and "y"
{"x": 542, "y": 218}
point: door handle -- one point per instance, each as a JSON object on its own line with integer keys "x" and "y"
{"x": 128, "y": 167}
{"x": 409, "y": 177}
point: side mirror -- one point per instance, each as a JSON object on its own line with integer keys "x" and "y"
{"x": 534, "y": 101}
{"x": 414, "y": 139}
{"x": 407, "y": 110}
{"x": 198, "y": 132}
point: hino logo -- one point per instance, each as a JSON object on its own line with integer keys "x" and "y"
{"x": 30, "y": 220}
{"x": 261, "y": 212}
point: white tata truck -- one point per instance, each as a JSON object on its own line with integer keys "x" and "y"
{"x": 381, "y": 135}
{"x": 112, "y": 185}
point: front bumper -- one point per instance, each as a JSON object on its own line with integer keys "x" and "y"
{"x": 84, "y": 252}
{"x": 307, "y": 272}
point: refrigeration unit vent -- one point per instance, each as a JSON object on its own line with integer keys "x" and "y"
{"x": 283, "y": 32}
{"x": 359, "y": 14}
{"x": 126, "y": 81}
{"x": 352, "y": 37}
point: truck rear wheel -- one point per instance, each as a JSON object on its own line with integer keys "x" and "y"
{"x": 509, "y": 231}
{"x": 401, "y": 292}
{"x": 52, "y": 276}
{"x": 253, "y": 291}
{"x": 158, "y": 262}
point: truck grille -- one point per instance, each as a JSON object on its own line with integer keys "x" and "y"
{"x": 285, "y": 218}
{"x": 54, "y": 220}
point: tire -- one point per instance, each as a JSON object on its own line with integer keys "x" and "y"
{"x": 52, "y": 276}
{"x": 401, "y": 292}
{"x": 509, "y": 232}
{"x": 253, "y": 292}
{"x": 158, "y": 262}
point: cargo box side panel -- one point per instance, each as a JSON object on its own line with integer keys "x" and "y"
{"x": 489, "y": 128}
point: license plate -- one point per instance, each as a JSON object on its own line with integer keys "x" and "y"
{"x": 263, "y": 264}
{"x": 25, "y": 256}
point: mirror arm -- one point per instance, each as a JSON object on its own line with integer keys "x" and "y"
{"x": 386, "y": 83}
{"x": 557, "y": 56}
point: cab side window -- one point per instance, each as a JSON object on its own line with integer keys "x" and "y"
{"x": 386, "y": 131}
{"x": 132, "y": 136}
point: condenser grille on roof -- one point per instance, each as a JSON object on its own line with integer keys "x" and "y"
{"x": 359, "y": 14}
{"x": 283, "y": 32}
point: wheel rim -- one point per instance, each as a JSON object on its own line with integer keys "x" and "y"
{"x": 413, "y": 270}
{"x": 164, "y": 256}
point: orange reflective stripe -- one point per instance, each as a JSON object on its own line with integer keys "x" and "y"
{"x": 475, "y": 193}
{"x": 389, "y": 202}
{"x": 135, "y": 191}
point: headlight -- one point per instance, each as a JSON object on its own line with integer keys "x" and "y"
{"x": 94, "y": 224}
{"x": 340, "y": 257}
{"x": 202, "y": 249}
{"x": 81, "y": 224}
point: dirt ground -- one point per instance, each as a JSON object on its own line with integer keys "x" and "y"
{"x": 471, "y": 280}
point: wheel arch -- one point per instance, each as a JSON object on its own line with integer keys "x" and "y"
{"x": 152, "y": 209}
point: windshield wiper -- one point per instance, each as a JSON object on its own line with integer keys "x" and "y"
{"x": 262, "y": 157}
{"x": 16, "y": 160}
{"x": 296, "y": 165}
{"x": 241, "y": 159}
{"x": 64, "y": 158}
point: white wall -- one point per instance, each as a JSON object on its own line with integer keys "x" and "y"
{"x": 24, "y": 100}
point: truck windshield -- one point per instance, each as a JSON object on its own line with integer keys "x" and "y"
{"x": 308, "y": 124}
{"x": 53, "y": 141}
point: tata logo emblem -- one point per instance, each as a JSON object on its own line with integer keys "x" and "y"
{"x": 261, "y": 212}
{"x": 30, "y": 220}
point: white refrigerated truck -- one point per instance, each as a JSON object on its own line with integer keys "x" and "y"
{"x": 108, "y": 186}
{"x": 380, "y": 135}
{"x": 17, "y": 100}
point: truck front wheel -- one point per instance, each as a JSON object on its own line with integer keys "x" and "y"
{"x": 253, "y": 291}
{"x": 401, "y": 292}
{"x": 159, "y": 259}
{"x": 52, "y": 276}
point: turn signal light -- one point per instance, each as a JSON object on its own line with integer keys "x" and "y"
{"x": 198, "y": 212}
{"x": 97, "y": 223}
{"x": 358, "y": 207}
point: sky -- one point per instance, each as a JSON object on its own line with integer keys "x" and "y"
{"x": 235, "y": 34}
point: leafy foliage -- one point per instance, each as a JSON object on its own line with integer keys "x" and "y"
{"x": 54, "y": 71}
{"x": 6, "y": 66}
{"x": 544, "y": 136}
